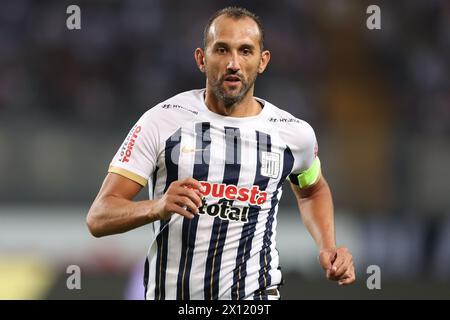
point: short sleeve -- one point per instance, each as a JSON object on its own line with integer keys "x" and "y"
{"x": 307, "y": 167}
{"x": 137, "y": 156}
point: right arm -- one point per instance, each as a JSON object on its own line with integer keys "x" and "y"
{"x": 113, "y": 210}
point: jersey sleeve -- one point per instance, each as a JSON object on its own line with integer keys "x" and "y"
{"x": 307, "y": 167}
{"x": 137, "y": 156}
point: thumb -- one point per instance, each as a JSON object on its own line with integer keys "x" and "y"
{"x": 326, "y": 258}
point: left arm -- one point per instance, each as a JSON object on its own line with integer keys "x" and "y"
{"x": 316, "y": 210}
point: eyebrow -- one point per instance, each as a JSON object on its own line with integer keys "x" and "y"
{"x": 242, "y": 46}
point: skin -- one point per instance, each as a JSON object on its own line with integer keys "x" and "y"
{"x": 231, "y": 62}
{"x": 233, "y": 52}
{"x": 316, "y": 210}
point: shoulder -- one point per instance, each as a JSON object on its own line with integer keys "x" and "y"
{"x": 175, "y": 110}
{"x": 289, "y": 126}
{"x": 297, "y": 134}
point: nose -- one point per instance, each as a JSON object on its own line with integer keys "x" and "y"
{"x": 233, "y": 64}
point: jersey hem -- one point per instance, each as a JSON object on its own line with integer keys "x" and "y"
{"x": 128, "y": 174}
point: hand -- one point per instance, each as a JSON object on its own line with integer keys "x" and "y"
{"x": 338, "y": 265}
{"x": 182, "y": 197}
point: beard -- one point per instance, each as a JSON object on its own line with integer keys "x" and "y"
{"x": 234, "y": 96}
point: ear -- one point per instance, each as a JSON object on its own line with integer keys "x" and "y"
{"x": 265, "y": 58}
{"x": 200, "y": 59}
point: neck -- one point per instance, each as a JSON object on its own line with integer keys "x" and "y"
{"x": 247, "y": 107}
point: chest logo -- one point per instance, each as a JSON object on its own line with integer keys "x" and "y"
{"x": 270, "y": 164}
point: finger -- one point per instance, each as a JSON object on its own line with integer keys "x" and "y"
{"x": 326, "y": 258}
{"x": 341, "y": 256}
{"x": 197, "y": 192}
{"x": 346, "y": 281}
{"x": 332, "y": 276}
{"x": 344, "y": 267}
{"x": 348, "y": 278}
{"x": 191, "y": 182}
{"x": 191, "y": 194}
{"x": 181, "y": 211}
{"x": 186, "y": 204}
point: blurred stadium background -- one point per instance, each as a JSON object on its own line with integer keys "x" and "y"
{"x": 379, "y": 101}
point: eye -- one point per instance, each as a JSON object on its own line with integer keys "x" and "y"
{"x": 221, "y": 50}
{"x": 246, "y": 51}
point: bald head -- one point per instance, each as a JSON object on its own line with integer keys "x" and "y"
{"x": 234, "y": 13}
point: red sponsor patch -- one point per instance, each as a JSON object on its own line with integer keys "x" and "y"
{"x": 231, "y": 192}
{"x": 129, "y": 144}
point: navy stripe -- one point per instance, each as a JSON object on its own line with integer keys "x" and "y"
{"x": 171, "y": 152}
{"x": 146, "y": 272}
{"x": 161, "y": 261}
{"x": 189, "y": 230}
{"x": 182, "y": 288}
{"x": 265, "y": 257}
{"x": 146, "y": 266}
{"x": 220, "y": 227}
{"x": 154, "y": 176}
{"x": 213, "y": 242}
{"x": 248, "y": 230}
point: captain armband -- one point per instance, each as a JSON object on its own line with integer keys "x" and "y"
{"x": 308, "y": 177}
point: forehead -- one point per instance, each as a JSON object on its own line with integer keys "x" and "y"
{"x": 231, "y": 30}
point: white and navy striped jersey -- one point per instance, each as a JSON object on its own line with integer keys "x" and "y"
{"x": 228, "y": 251}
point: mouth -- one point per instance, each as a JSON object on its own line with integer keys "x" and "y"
{"x": 232, "y": 79}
